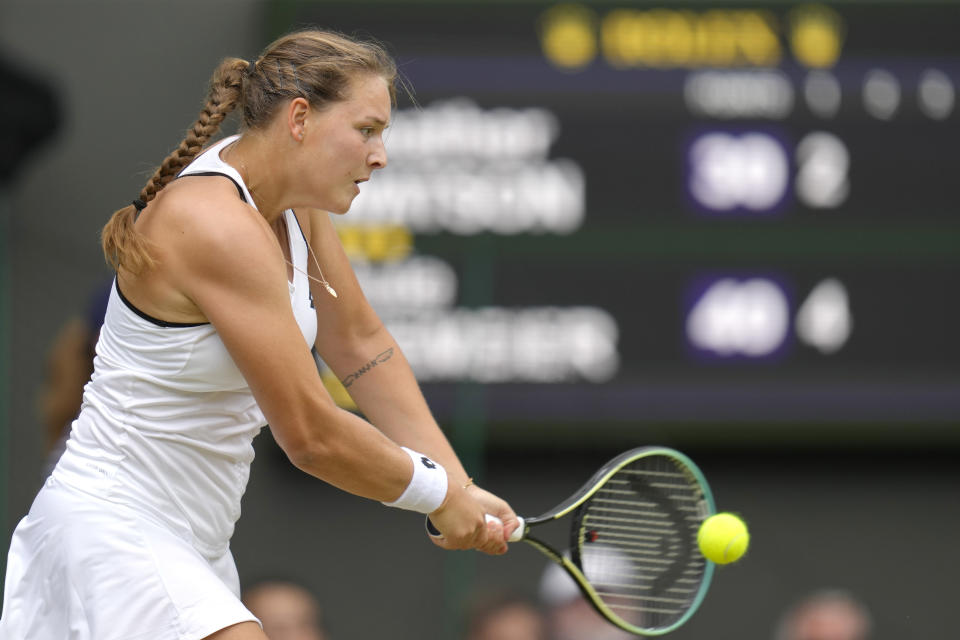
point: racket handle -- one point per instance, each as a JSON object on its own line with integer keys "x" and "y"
{"x": 516, "y": 536}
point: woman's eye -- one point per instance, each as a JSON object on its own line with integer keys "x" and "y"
{"x": 366, "y": 131}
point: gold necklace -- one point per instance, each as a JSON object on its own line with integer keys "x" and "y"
{"x": 322, "y": 280}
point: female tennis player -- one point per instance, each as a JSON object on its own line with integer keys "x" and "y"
{"x": 228, "y": 271}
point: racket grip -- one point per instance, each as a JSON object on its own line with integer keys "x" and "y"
{"x": 516, "y": 536}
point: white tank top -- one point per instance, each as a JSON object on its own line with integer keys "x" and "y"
{"x": 168, "y": 421}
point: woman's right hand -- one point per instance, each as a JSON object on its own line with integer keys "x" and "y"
{"x": 463, "y": 524}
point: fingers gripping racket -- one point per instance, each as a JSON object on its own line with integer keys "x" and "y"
{"x": 633, "y": 539}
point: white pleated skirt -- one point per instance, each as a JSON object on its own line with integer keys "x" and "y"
{"x": 82, "y": 568}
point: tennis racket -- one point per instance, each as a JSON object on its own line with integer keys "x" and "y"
{"x": 632, "y": 535}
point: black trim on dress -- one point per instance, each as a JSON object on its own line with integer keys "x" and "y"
{"x": 217, "y": 173}
{"x": 156, "y": 321}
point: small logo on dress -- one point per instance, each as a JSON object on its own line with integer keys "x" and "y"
{"x": 427, "y": 462}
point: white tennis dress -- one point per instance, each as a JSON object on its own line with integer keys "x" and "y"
{"x": 129, "y": 538}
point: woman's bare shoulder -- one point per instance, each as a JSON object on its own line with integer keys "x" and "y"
{"x": 203, "y": 215}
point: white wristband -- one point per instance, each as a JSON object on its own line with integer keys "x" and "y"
{"x": 427, "y": 488}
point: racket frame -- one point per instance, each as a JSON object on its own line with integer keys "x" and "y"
{"x": 585, "y": 492}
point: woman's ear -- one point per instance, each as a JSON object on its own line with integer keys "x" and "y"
{"x": 297, "y": 113}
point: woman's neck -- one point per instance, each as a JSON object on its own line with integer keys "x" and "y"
{"x": 251, "y": 156}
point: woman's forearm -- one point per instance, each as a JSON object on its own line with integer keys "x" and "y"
{"x": 379, "y": 378}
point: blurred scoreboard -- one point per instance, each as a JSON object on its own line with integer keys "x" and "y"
{"x": 664, "y": 213}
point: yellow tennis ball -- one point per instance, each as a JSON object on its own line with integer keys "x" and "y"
{"x": 723, "y": 538}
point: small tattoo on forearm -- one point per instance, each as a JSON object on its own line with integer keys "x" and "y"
{"x": 379, "y": 359}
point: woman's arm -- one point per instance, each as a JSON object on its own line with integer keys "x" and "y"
{"x": 227, "y": 261}
{"x": 363, "y": 354}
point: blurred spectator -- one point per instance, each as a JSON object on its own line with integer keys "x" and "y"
{"x": 826, "y": 615}
{"x": 287, "y": 610}
{"x": 569, "y": 615}
{"x": 505, "y": 617}
{"x": 68, "y": 368}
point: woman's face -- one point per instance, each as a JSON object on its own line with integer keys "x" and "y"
{"x": 343, "y": 144}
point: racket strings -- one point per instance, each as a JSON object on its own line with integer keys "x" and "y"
{"x": 638, "y": 546}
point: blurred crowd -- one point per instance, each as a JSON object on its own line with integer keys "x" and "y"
{"x": 288, "y": 611}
